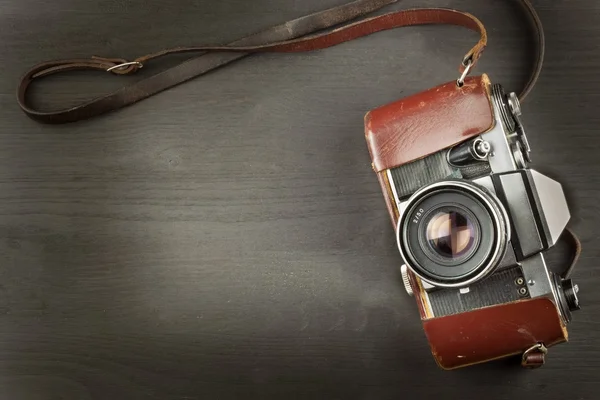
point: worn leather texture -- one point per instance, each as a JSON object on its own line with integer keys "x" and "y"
{"x": 493, "y": 332}
{"x": 429, "y": 121}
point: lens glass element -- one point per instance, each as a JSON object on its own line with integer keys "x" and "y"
{"x": 451, "y": 234}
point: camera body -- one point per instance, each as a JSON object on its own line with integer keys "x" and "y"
{"x": 472, "y": 221}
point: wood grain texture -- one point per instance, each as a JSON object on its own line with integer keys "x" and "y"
{"x": 228, "y": 239}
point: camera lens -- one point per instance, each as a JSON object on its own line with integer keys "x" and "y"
{"x": 452, "y": 233}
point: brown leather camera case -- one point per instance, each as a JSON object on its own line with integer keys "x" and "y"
{"x": 413, "y": 128}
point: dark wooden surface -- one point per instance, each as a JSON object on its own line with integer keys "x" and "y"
{"x": 227, "y": 239}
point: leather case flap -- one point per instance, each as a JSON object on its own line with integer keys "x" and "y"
{"x": 427, "y": 122}
{"x": 493, "y": 332}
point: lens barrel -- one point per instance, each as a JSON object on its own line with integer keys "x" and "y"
{"x": 453, "y": 233}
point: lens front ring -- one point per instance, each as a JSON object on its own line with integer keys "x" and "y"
{"x": 495, "y": 234}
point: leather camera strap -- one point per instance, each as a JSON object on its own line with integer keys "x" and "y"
{"x": 289, "y": 37}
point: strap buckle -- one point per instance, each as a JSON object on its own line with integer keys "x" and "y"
{"x": 534, "y": 357}
{"x": 122, "y": 66}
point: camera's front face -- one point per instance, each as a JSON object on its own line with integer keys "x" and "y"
{"x": 475, "y": 211}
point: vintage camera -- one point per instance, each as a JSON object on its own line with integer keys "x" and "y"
{"x": 472, "y": 222}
